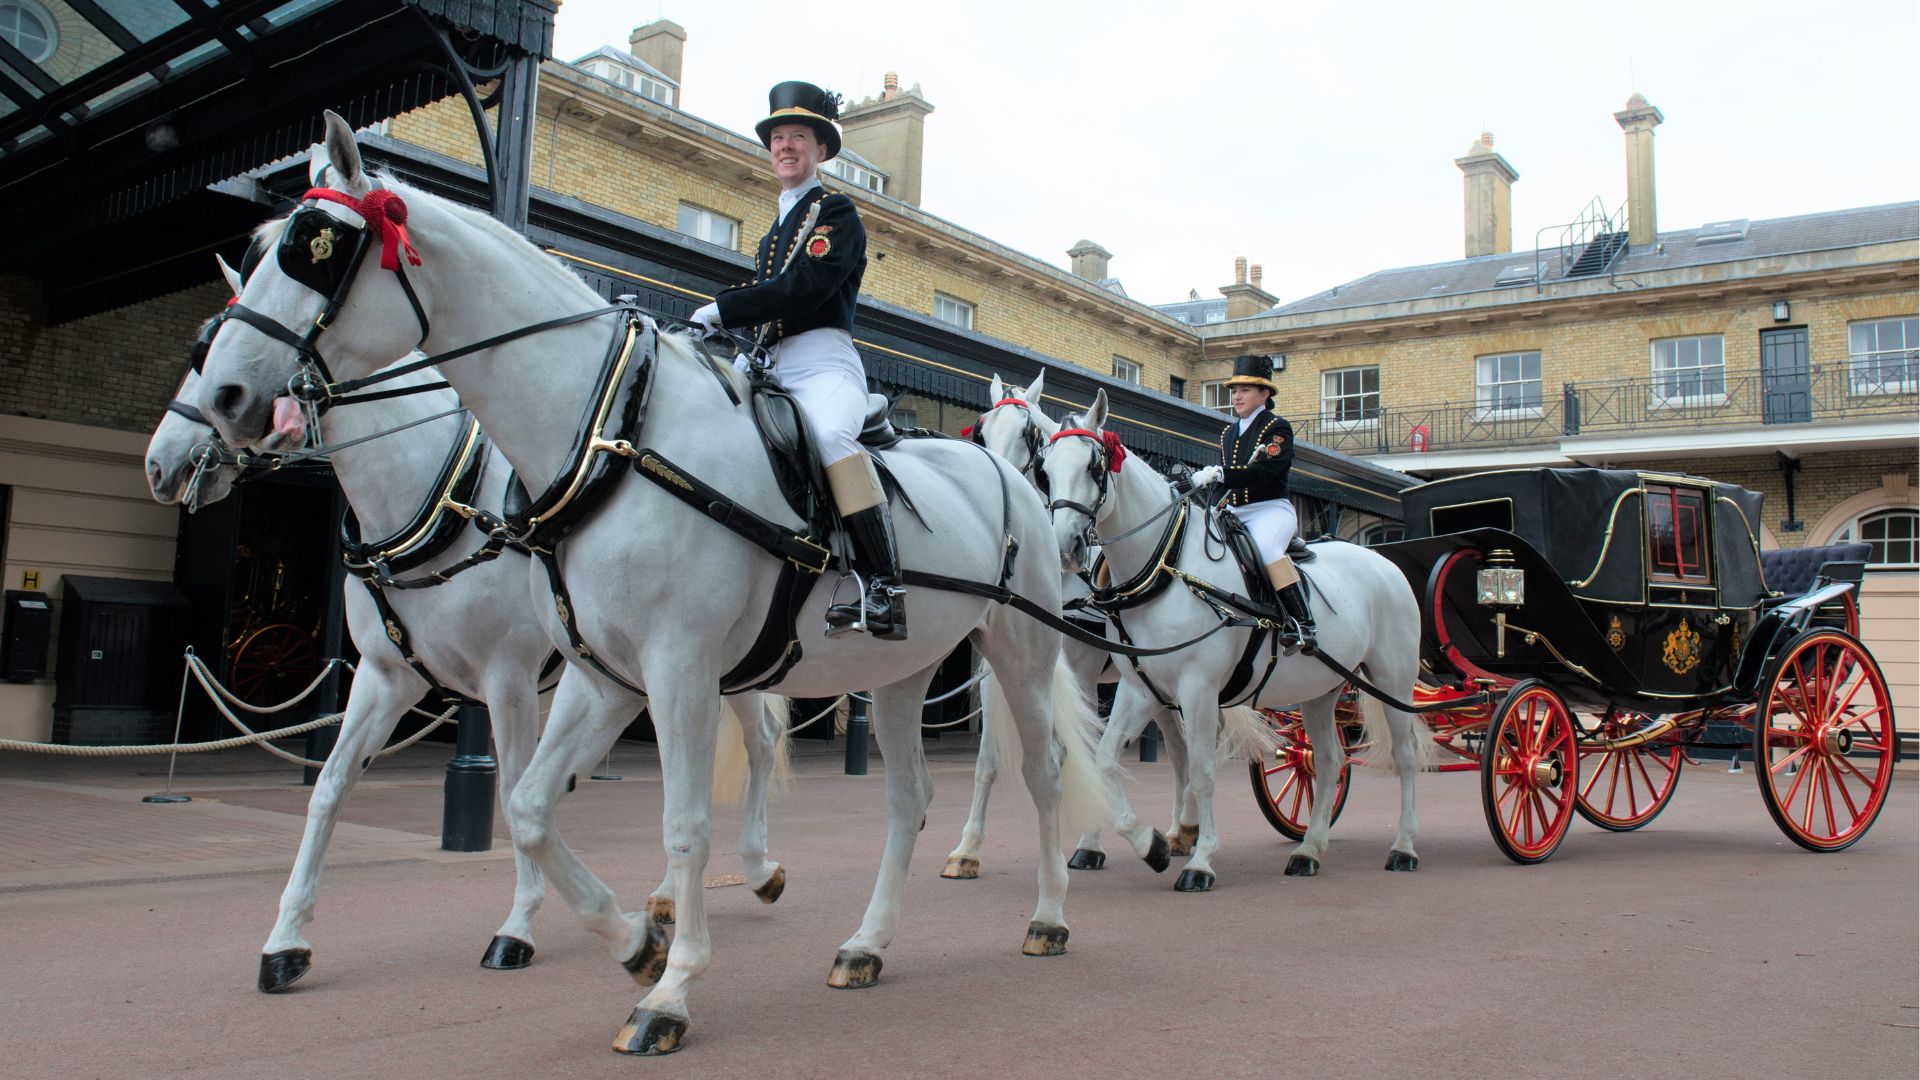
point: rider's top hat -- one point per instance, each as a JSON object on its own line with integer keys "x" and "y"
{"x": 802, "y": 103}
{"x": 1253, "y": 371}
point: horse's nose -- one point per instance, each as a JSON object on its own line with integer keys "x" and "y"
{"x": 228, "y": 399}
{"x": 157, "y": 480}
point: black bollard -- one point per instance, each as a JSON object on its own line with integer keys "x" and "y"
{"x": 856, "y": 736}
{"x": 466, "y": 823}
{"x": 1150, "y": 742}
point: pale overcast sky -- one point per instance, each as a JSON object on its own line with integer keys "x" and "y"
{"x": 1318, "y": 140}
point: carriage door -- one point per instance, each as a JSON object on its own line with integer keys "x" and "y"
{"x": 1786, "y": 377}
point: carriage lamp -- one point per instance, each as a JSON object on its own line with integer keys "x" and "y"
{"x": 1500, "y": 585}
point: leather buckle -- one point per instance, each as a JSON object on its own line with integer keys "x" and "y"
{"x": 826, "y": 556}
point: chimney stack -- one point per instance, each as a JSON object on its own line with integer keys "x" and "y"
{"x": 1089, "y": 261}
{"x": 1243, "y": 297}
{"x": 1489, "y": 198}
{"x": 890, "y": 131}
{"x": 1638, "y": 120}
{"x": 661, "y": 43}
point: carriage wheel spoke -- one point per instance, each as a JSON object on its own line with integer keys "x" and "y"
{"x": 1840, "y": 782}
{"x": 1799, "y": 777}
{"x": 1777, "y": 767}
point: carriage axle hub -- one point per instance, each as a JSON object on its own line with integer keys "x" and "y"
{"x": 1835, "y": 741}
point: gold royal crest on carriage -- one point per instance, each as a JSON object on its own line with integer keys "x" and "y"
{"x": 1682, "y": 651}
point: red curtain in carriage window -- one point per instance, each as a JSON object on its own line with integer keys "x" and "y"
{"x": 1677, "y": 533}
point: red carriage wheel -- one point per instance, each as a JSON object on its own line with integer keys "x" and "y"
{"x": 273, "y": 664}
{"x": 1284, "y": 783}
{"x": 1625, "y": 789}
{"x": 1529, "y": 771}
{"x": 1824, "y": 740}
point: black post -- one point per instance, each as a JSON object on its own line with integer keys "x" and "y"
{"x": 1150, "y": 742}
{"x": 333, "y": 638}
{"x": 466, "y": 824}
{"x": 856, "y": 736}
{"x": 519, "y": 89}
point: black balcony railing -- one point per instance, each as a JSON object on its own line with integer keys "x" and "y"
{"x": 1859, "y": 388}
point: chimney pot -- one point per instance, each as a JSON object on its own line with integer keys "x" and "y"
{"x": 1638, "y": 120}
{"x": 1240, "y": 270}
{"x": 1256, "y": 275}
{"x": 1244, "y": 298}
{"x": 1487, "y": 186}
{"x": 890, "y": 86}
{"x": 662, "y": 43}
{"x": 1089, "y": 261}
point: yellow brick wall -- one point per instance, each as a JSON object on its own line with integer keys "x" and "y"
{"x": 1433, "y": 370}
{"x": 632, "y": 177}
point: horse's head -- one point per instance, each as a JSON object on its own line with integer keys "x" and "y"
{"x": 1015, "y": 428}
{"x": 1079, "y": 460}
{"x": 186, "y": 461}
{"x": 313, "y": 289}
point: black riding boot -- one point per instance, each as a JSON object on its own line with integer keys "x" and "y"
{"x": 878, "y": 561}
{"x": 1299, "y": 634}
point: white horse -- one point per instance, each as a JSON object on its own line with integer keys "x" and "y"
{"x": 664, "y": 596}
{"x": 477, "y": 633}
{"x": 1368, "y": 620}
{"x": 1015, "y": 428}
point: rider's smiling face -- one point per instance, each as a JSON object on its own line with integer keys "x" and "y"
{"x": 1248, "y": 400}
{"x": 797, "y": 152}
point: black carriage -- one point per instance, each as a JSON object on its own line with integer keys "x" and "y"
{"x": 1593, "y": 624}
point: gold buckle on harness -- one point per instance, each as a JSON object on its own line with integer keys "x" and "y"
{"x": 826, "y": 556}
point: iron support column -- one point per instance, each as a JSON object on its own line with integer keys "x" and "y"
{"x": 513, "y": 141}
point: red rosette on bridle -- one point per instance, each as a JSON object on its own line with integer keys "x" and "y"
{"x": 384, "y": 210}
{"x": 1116, "y": 453}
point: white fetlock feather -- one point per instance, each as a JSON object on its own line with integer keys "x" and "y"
{"x": 1244, "y": 734}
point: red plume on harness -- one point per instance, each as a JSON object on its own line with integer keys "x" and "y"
{"x": 1116, "y": 453}
{"x": 967, "y": 432}
{"x": 384, "y": 210}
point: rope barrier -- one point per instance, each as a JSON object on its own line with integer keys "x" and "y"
{"x": 221, "y": 696}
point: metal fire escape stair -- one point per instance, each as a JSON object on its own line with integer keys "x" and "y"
{"x": 1598, "y": 255}
{"x": 1588, "y": 246}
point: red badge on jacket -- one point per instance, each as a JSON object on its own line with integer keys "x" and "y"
{"x": 819, "y": 246}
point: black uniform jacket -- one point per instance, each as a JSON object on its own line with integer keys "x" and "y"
{"x": 1268, "y": 445}
{"x": 820, "y": 284}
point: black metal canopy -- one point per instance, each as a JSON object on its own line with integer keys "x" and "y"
{"x": 129, "y": 105}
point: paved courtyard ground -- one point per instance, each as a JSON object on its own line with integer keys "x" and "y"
{"x": 1705, "y": 945}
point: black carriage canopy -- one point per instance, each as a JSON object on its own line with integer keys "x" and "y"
{"x": 1592, "y": 527}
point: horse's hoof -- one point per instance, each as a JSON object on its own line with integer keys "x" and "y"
{"x": 1158, "y": 856}
{"x": 1086, "y": 859}
{"x": 1183, "y": 839}
{"x": 775, "y": 885}
{"x": 961, "y": 868}
{"x": 284, "y": 968}
{"x": 854, "y": 970}
{"x": 1045, "y": 940}
{"x": 507, "y": 954}
{"x": 1303, "y": 866}
{"x": 1401, "y": 860}
{"x": 650, "y": 1033}
{"x": 660, "y": 910}
{"x": 1192, "y": 880}
{"x": 649, "y": 961}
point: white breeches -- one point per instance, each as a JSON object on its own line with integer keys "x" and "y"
{"x": 823, "y": 372}
{"x": 1272, "y": 524}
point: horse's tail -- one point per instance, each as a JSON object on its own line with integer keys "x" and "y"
{"x": 1379, "y": 737}
{"x": 731, "y": 772}
{"x": 1084, "y": 804}
{"x": 775, "y": 712}
{"x": 732, "y": 768}
{"x": 1244, "y": 734}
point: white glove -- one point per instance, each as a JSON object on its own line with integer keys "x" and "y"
{"x": 1209, "y": 475}
{"x": 740, "y": 363}
{"x": 707, "y": 318}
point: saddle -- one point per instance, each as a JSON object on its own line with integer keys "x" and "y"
{"x": 1265, "y": 599}
{"x": 796, "y": 461}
